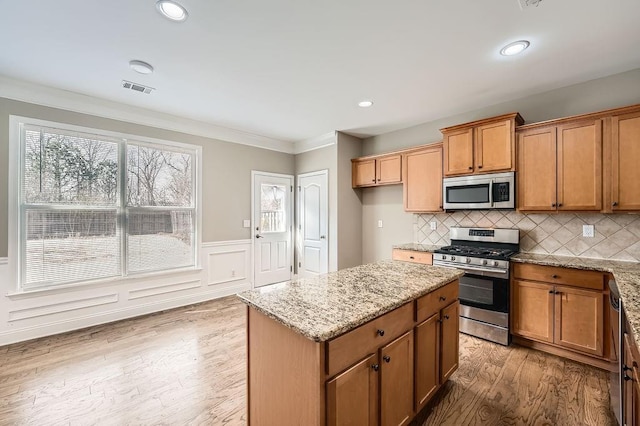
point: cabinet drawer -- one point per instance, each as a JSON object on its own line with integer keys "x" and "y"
{"x": 413, "y": 256}
{"x": 345, "y": 350}
{"x": 431, "y": 303}
{"x": 574, "y": 277}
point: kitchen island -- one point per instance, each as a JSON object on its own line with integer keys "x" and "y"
{"x": 365, "y": 345}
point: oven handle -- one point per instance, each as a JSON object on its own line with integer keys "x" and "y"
{"x": 475, "y": 268}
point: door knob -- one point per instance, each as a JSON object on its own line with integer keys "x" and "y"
{"x": 259, "y": 236}
{"x": 322, "y": 237}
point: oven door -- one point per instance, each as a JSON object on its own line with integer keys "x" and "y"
{"x": 484, "y": 292}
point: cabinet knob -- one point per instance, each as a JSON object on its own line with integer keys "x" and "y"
{"x": 411, "y": 257}
{"x": 442, "y": 298}
{"x": 378, "y": 179}
{"x": 625, "y": 368}
{"x": 627, "y": 378}
{"x": 557, "y": 292}
{"x": 615, "y": 203}
{"x": 470, "y": 167}
{"x": 479, "y": 167}
{"x": 550, "y": 291}
{"x": 375, "y": 367}
{"x": 373, "y": 180}
{"x": 560, "y": 205}
{"x": 554, "y": 276}
{"x": 380, "y": 333}
{"x": 446, "y": 317}
{"x": 553, "y": 205}
{"x": 386, "y": 358}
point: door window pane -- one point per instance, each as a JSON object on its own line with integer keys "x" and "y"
{"x": 272, "y": 205}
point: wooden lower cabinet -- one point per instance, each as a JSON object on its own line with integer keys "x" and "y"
{"x": 569, "y": 316}
{"x": 352, "y": 397}
{"x": 449, "y": 341}
{"x": 427, "y": 342}
{"x": 396, "y": 381}
{"x": 631, "y": 381}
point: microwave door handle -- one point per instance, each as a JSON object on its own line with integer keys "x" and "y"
{"x": 491, "y": 192}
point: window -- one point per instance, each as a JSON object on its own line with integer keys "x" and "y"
{"x": 95, "y": 205}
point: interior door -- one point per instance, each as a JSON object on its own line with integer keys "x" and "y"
{"x": 272, "y": 227}
{"x": 313, "y": 215}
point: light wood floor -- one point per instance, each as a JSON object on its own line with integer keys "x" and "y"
{"x": 187, "y": 366}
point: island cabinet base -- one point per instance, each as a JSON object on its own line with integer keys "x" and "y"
{"x": 380, "y": 373}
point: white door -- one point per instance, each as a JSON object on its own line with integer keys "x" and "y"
{"x": 313, "y": 216}
{"x": 272, "y": 227}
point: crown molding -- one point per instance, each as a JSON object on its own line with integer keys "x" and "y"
{"x": 318, "y": 142}
{"x": 23, "y": 91}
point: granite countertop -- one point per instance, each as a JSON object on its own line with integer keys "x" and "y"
{"x": 327, "y": 306}
{"x": 626, "y": 274}
{"x": 418, "y": 247}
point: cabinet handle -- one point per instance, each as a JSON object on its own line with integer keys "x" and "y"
{"x": 615, "y": 203}
{"x": 554, "y": 276}
{"x": 375, "y": 367}
{"x": 411, "y": 257}
{"x": 386, "y": 358}
{"x": 380, "y": 333}
{"x": 442, "y": 298}
{"x": 625, "y": 368}
{"x": 627, "y": 378}
{"x": 446, "y": 317}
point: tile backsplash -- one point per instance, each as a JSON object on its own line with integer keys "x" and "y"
{"x": 617, "y": 236}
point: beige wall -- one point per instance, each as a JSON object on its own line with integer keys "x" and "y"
{"x": 349, "y": 205}
{"x": 321, "y": 159}
{"x": 386, "y": 204}
{"x": 226, "y": 176}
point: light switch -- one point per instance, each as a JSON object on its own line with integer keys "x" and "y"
{"x": 246, "y": 223}
{"x": 380, "y": 224}
{"x": 588, "y": 231}
{"x": 433, "y": 225}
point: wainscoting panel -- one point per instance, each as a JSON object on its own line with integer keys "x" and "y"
{"x": 225, "y": 269}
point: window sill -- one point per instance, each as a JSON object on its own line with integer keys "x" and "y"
{"x": 44, "y": 291}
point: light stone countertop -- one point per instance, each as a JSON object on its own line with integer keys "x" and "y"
{"x": 327, "y": 306}
{"x": 418, "y": 247}
{"x": 626, "y": 274}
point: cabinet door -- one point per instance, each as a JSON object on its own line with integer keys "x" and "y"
{"x": 628, "y": 388}
{"x": 396, "y": 381}
{"x": 449, "y": 341}
{"x": 458, "y": 152}
{"x": 389, "y": 169}
{"x": 495, "y": 148}
{"x": 532, "y": 310}
{"x": 579, "y": 319}
{"x": 427, "y": 362}
{"x": 580, "y": 166}
{"x": 625, "y": 162}
{"x": 352, "y": 397}
{"x": 537, "y": 170}
{"x": 422, "y": 178}
{"x": 363, "y": 173}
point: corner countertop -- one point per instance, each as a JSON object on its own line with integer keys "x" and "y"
{"x": 418, "y": 247}
{"x": 327, "y": 306}
{"x": 626, "y": 274}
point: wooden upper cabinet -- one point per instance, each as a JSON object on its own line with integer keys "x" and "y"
{"x": 381, "y": 170}
{"x": 537, "y": 170}
{"x": 495, "y": 147}
{"x": 458, "y": 152}
{"x": 625, "y": 162}
{"x": 580, "y": 166}
{"x": 560, "y": 167}
{"x": 389, "y": 169}
{"x": 484, "y": 146}
{"x": 363, "y": 173}
{"x": 422, "y": 177}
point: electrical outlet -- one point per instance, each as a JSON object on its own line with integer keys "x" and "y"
{"x": 233, "y": 273}
{"x": 246, "y": 223}
{"x": 433, "y": 225}
{"x": 380, "y": 224}
{"x": 588, "y": 231}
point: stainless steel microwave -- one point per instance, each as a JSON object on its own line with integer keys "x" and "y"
{"x": 490, "y": 191}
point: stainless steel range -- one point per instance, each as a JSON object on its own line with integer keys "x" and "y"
{"x": 483, "y": 254}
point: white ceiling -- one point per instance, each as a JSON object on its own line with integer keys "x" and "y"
{"x": 294, "y": 70}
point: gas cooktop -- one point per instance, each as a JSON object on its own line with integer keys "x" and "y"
{"x": 483, "y": 252}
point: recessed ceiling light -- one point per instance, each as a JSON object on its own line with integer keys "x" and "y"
{"x": 141, "y": 67}
{"x": 365, "y": 104}
{"x": 514, "y": 48}
{"x": 172, "y": 10}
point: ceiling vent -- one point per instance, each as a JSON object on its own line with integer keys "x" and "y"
{"x": 527, "y": 4}
{"x": 137, "y": 87}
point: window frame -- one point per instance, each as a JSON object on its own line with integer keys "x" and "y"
{"x": 17, "y": 209}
